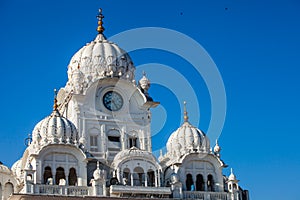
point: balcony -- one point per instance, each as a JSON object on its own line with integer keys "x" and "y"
{"x": 199, "y": 195}
{"x": 139, "y": 191}
{"x": 61, "y": 190}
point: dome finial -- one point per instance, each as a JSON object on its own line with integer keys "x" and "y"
{"x": 100, "y": 17}
{"x": 55, "y": 106}
{"x": 185, "y": 117}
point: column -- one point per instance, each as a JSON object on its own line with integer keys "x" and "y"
{"x": 118, "y": 175}
{"x": 155, "y": 175}
{"x": 121, "y": 177}
{"x": 158, "y": 177}
{"x": 131, "y": 178}
{"x": 53, "y": 175}
{"x": 205, "y": 182}
{"x": 146, "y": 179}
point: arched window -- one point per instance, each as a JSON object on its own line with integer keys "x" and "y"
{"x": 60, "y": 174}
{"x": 126, "y": 177}
{"x": 138, "y": 176}
{"x": 94, "y": 143}
{"x": 189, "y": 182}
{"x": 72, "y": 177}
{"x": 151, "y": 178}
{"x": 199, "y": 183}
{"x": 8, "y": 190}
{"x": 234, "y": 186}
{"x": 47, "y": 175}
{"x": 210, "y": 183}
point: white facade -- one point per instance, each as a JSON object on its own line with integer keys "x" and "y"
{"x": 97, "y": 140}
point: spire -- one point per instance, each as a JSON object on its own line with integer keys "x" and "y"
{"x": 100, "y": 17}
{"x": 98, "y": 164}
{"x": 231, "y": 177}
{"x": 55, "y": 106}
{"x": 185, "y": 117}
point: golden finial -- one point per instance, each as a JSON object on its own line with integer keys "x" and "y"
{"x": 185, "y": 117}
{"x": 100, "y": 17}
{"x": 55, "y": 106}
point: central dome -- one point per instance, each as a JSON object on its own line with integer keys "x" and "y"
{"x": 96, "y": 60}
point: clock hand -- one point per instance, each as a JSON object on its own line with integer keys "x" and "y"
{"x": 113, "y": 102}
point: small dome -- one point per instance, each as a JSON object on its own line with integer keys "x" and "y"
{"x": 232, "y": 177}
{"x": 217, "y": 148}
{"x": 144, "y": 82}
{"x": 185, "y": 139}
{"x": 4, "y": 169}
{"x": 99, "y": 59}
{"x": 54, "y": 129}
{"x": 132, "y": 153}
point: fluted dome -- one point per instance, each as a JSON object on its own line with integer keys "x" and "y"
{"x": 54, "y": 129}
{"x": 98, "y": 59}
{"x": 185, "y": 139}
{"x": 133, "y": 152}
{"x": 4, "y": 169}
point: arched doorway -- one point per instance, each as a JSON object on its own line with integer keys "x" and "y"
{"x": 72, "y": 179}
{"x": 126, "y": 177}
{"x": 47, "y": 175}
{"x": 60, "y": 174}
{"x": 8, "y": 190}
{"x": 189, "y": 182}
{"x": 138, "y": 176}
{"x": 151, "y": 178}
{"x": 199, "y": 183}
{"x": 210, "y": 183}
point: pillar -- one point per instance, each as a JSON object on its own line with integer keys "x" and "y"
{"x": 155, "y": 175}
{"x": 158, "y": 178}
{"x": 146, "y": 179}
{"x": 131, "y": 178}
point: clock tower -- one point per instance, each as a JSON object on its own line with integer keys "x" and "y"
{"x": 110, "y": 110}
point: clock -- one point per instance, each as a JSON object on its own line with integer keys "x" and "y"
{"x": 113, "y": 101}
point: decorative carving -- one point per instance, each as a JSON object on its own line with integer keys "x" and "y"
{"x": 98, "y": 59}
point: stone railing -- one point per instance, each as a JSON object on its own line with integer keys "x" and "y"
{"x": 205, "y": 195}
{"x": 139, "y": 191}
{"x": 62, "y": 190}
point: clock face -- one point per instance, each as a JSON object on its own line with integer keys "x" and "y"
{"x": 113, "y": 101}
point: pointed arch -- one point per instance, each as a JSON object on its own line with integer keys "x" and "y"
{"x": 126, "y": 177}
{"x": 60, "y": 174}
{"x": 8, "y": 190}
{"x": 72, "y": 178}
{"x": 210, "y": 183}
{"x": 189, "y": 182}
{"x": 150, "y": 178}
{"x": 199, "y": 182}
{"x": 138, "y": 176}
{"x": 47, "y": 175}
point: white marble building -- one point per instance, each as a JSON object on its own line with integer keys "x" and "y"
{"x": 97, "y": 140}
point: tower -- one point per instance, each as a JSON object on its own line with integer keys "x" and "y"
{"x": 102, "y": 99}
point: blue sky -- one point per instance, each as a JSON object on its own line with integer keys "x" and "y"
{"x": 255, "y": 45}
